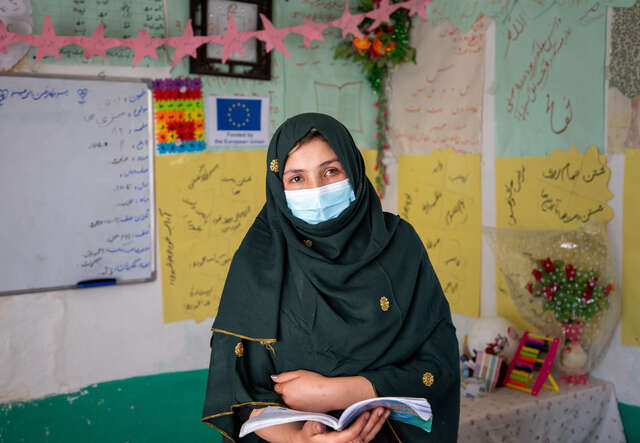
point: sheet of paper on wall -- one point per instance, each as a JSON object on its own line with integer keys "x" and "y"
{"x": 206, "y": 203}
{"x": 631, "y": 250}
{"x": 543, "y": 67}
{"x": 121, "y": 19}
{"x": 623, "y": 95}
{"x": 237, "y": 122}
{"x": 318, "y": 83}
{"x": 439, "y": 194}
{"x": 463, "y": 13}
{"x": 16, "y": 18}
{"x": 437, "y": 102}
{"x": 560, "y": 191}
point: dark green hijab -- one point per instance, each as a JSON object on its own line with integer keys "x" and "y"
{"x": 340, "y": 247}
{"x": 354, "y": 295}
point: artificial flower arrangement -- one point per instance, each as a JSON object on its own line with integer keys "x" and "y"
{"x": 560, "y": 283}
{"x": 377, "y": 51}
{"x": 380, "y": 48}
{"x": 573, "y": 294}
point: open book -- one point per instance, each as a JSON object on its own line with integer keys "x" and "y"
{"x": 410, "y": 410}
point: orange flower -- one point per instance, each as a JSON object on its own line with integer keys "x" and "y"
{"x": 198, "y": 124}
{"x": 391, "y": 47}
{"x": 378, "y": 47}
{"x": 161, "y": 137}
{"x": 361, "y": 43}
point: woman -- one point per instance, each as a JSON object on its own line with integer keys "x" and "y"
{"x": 334, "y": 298}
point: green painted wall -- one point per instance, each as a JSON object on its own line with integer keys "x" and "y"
{"x": 159, "y": 408}
{"x": 631, "y": 421}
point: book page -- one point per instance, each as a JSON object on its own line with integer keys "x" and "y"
{"x": 274, "y": 415}
{"x": 413, "y": 411}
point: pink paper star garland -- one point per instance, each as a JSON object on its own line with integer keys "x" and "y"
{"x": 95, "y": 45}
{"x": 187, "y": 44}
{"x": 348, "y": 23}
{"x": 48, "y": 43}
{"x": 382, "y": 14}
{"x": 417, "y": 7}
{"x": 310, "y": 30}
{"x": 143, "y": 45}
{"x": 233, "y": 40}
{"x": 272, "y": 36}
{"x": 6, "y": 38}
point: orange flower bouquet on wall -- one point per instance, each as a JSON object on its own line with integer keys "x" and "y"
{"x": 377, "y": 51}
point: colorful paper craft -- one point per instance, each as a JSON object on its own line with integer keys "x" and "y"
{"x": 179, "y": 115}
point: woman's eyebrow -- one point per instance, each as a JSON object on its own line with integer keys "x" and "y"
{"x": 297, "y": 171}
{"x": 328, "y": 162}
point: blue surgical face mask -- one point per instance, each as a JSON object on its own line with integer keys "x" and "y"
{"x": 316, "y": 205}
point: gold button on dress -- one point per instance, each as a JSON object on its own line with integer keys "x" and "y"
{"x": 239, "y": 349}
{"x": 427, "y": 379}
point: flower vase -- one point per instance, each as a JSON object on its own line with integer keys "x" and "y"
{"x": 574, "y": 357}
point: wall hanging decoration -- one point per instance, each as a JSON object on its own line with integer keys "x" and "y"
{"x": 233, "y": 40}
{"x": 230, "y": 18}
{"x": 179, "y": 115}
{"x": 380, "y": 42}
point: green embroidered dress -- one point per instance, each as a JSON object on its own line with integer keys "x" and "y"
{"x": 355, "y": 295}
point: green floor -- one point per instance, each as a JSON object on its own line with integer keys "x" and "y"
{"x": 160, "y": 408}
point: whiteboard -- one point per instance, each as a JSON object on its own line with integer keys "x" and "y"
{"x": 76, "y": 173}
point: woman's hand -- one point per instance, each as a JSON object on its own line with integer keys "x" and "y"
{"x": 310, "y": 391}
{"x": 304, "y": 390}
{"x": 364, "y": 429}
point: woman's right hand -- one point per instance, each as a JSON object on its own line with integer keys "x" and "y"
{"x": 362, "y": 430}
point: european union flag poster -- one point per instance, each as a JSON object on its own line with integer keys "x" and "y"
{"x": 238, "y": 121}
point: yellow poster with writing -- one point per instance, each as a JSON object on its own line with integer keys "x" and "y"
{"x": 369, "y": 156}
{"x": 560, "y": 191}
{"x": 631, "y": 249}
{"x": 440, "y": 195}
{"x": 206, "y": 203}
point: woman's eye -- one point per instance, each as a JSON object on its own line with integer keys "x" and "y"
{"x": 332, "y": 171}
{"x": 295, "y": 179}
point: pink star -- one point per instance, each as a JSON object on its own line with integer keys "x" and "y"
{"x": 382, "y": 13}
{"x": 272, "y": 36}
{"x": 416, "y": 7}
{"x": 233, "y": 40}
{"x": 95, "y": 45}
{"x": 310, "y": 31}
{"x": 6, "y": 38}
{"x": 187, "y": 44}
{"x": 46, "y": 43}
{"x": 143, "y": 45}
{"x": 348, "y": 23}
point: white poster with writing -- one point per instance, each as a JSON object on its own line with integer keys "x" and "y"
{"x": 237, "y": 121}
{"x": 437, "y": 102}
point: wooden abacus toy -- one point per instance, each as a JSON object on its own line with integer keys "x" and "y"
{"x": 531, "y": 365}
